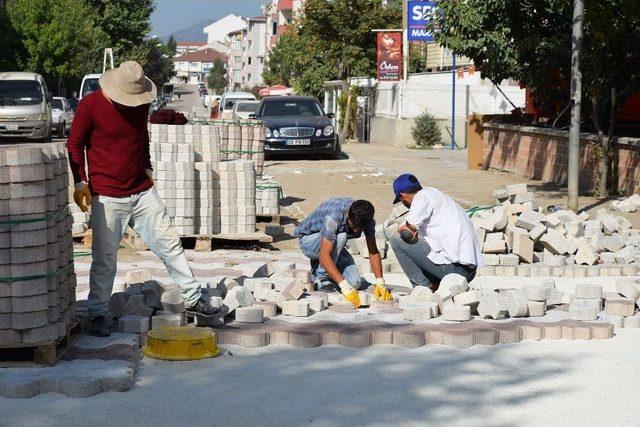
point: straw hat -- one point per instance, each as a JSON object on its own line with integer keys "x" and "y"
{"x": 127, "y": 85}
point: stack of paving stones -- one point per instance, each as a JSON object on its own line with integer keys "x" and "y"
{"x": 519, "y": 239}
{"x": 267, "y": 197}
{"x": 207, "y": 199}
{"x": 237, "y": 197}
{"x": 81, "y": 220}
{"x": 37, "y": 280}
{"x": 619, "y": 308}
{"x": 242, "y": 140}
{"x": 629, "y": 205}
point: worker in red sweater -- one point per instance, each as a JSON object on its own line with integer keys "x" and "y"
{"x": 110, "y": 126}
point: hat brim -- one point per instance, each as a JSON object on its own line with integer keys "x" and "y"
{"x": 397, "y": 199}
{"x": 111, "y": 89}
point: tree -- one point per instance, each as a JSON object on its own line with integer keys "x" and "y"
{"x": 217, "y": 80}
{"x": 155, "y": 59}
{"x": 172, "y": 45}
{"x": 127, "y": 22}
{"x": 11, "y": 47}
{"x": 531, "y": 43}
{"x": 60, "y": 37}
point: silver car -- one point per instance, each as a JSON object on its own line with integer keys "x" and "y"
{"x": 25, "y": 107}
{"x": 62, "y": 116}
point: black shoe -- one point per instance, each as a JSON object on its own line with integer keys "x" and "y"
{"x": 203, "y": 308}
{"x": 99, "y": 327}
{"x": 325, "y": 285}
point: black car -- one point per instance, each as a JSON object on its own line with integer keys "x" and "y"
{"x": 297, "y": 124}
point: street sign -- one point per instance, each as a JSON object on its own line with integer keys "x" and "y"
{"x": 419, "y": 14}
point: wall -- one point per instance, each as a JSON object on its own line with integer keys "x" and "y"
{"x": 218, "y": 30}
{"x": 543, "y": 154}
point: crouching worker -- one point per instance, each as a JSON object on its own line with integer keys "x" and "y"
{"x": 438, "y": 237}
{"x": 323, "y": 238}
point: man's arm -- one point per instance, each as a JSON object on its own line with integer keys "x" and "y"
{"x": 77, "y": 141}
{"x": 326, "y": 261}
{"x": 375, "y": 259}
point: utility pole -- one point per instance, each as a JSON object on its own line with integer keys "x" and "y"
{"x": 573, "y": 168}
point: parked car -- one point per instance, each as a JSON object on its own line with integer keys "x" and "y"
{"x": 25, "y": 107}
{"x": 229, "y": 99}
{"x": 90, "y": 83}
{"x": 61, "y": 115}
{"x": 243, "y": 109}
{"x": 73, "y": 103}
{"x": 297, "y": 124}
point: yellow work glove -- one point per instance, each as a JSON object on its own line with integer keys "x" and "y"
{"x": 149, "y": 173}
{"x": 381, "y": 292}
{"x": 82, "y": 196}
{"x": 350, "y": 293}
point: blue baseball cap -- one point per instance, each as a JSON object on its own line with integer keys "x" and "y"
{"x": 404, "y": 182}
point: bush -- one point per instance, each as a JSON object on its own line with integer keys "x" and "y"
{"x": 426, "y": 132}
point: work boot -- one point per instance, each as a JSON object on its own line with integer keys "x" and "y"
{"x": 203, "y": 308}
{"x": 99, "y": 327}
{"x": 325, "y": 284}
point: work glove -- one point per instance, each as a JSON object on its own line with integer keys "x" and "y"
{"x": 82, "y": 196}
{"x": 350, "y": 293}
{"x": 381, "y": 292}
{"x": 149, "y": 173}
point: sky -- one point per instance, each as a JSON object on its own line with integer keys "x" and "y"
{"x": 174, "y": 15}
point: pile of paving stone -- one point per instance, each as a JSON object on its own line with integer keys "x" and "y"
{"x": 518, "y": 238}
{"x": 37, "y": 280}
{"x": 630, "y": 204}
{"x": 589, "y": 302}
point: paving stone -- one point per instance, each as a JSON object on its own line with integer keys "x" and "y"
{"x": 616, "y": 320}
{"x": 628, "y": 288}
{"x": 320, "y": 294}
{"x": 583, "y": 313}
{"x": 137, "y": 277}
{"x": 497, "y": 247}
{"x": 585, "y": 290}
{"x": 491, "y": 259}
{"x": 249, "y": 314}
{"x": 159, "y": 321}
{"x": 554, "y": 261}
{"x": 294, "y": 291}
{"x": 491, "y": 305}
{"x": 538, "y": 231}
{"x": 614, "y": 242}
{"x": 454, "y": 284}
{"x": 269, "y": 308}
{"x": 238, "y": 297}
{"x": 620, "y": 307}
{"x": 384, "y": 307}
{"x": 516, "y": 304}
{"x": 135, "y": 306}
{"x": 586, "y": 256}
{"x": 133, "y": 324}
{"x": 587, "y": 302}
{"x": 469, "y": 298}
{"x": 457, "y": 313}
{"x": 365, "y": 298}
{"x": 534, "y": 293}
{"x": 30, "y": 303}
{"x": 419, "y": 311}
{"x": 342, "y": 307}
{"x": 509, "y": 259}
{"x": 536, "y": 308}
{"x": 172, "y": 301}
{"x": 296, "y": 308}
{"x": 317, "y": 304}
{"x": 523, "y": 247}
{"x": 632, "y": 321}
{"x": 529, "y": 220}
{"x": 554, "y": 242}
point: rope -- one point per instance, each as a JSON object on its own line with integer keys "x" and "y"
{"x": 269, "y": 186}
{"x": 36, "y": 277}
{"x": 471, "y": 212}
{"x": 240, "y": 151}
{"x": 45, "y": 218}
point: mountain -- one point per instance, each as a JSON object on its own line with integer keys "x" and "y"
{"x": 190, "y": 34}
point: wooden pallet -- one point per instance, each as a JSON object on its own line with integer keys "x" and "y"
{"x": 40, "y": 354}
{"x": 205, "y": 242}
{"x": 270, "y": 219}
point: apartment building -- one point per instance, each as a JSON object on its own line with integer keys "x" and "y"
{"x": 246, "y": 53}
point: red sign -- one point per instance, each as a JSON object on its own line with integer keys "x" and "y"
{"x": 390, "y": 57}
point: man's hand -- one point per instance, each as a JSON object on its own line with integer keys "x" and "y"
{"x": 381, "y": 292}
{"x": 350, "y": 293}
{"x": 82, "y": 196}
{"x": 408, "y": 233}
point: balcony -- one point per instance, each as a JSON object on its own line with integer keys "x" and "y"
{"x": 284, "y": 5}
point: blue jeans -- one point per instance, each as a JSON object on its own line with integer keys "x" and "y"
{"x": 420, "y": 270}
{"x": 146, "y": 214}
{"x": 310, "y": 247}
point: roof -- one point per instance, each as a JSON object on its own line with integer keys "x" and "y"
{"x": 258, "y": 18}
{"x": 204, "y": 55}
{"x": 191, "y": 43}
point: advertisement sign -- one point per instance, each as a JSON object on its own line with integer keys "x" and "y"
{"x": 420, "y": 13}
{"x": 389, "y": 56}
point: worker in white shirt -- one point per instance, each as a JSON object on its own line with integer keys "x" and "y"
{"x": 438, "y": 237}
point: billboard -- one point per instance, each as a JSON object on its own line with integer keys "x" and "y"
{"x": 420, "y": 13}
{"x": 389, "y": 56}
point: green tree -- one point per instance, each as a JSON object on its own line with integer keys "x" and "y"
{"x": 531, "y": 43}
{"x": 127, "y": 22}
{"x": 217, "y": 79}
{"x": 11, "y": 47}
{"x": 155, "y": 59}
{"x": 60, "y": 37}
{"x": 172, "y": 45}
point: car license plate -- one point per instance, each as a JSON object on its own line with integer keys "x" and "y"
{"x": 299, "y": 142}
{"x": 12, "y": 126}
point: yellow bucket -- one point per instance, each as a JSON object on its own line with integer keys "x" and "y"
{"x": 181, "y": 343}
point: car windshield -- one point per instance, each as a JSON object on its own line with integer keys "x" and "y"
{"x": 230, "y": 102}
{"x": 20, "y": 92}
{"x": 287, "y": 107}
{"x": 56, "y": 104}
{"x": 246, "y": 107}
{"x": 90, "y": 85}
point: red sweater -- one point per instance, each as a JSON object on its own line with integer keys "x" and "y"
{"x": 116, "y": 141}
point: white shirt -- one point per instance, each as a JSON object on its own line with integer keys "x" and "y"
{"x": 446, "y": 228}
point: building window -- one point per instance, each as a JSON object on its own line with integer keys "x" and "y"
{"x": 249, "y": 76}
{"x": 194, "y": 64}
{"x": 237, "y": 59}
{"x": 250, "y": 44}
{"x": 236, "y": 74}
{"x": 274, "y": 30}
{"x": 237, "y": 45}
{"x": 249, "y": 61}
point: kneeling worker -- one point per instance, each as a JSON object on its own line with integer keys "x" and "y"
{"x": 438, "y": 237}
{"x": 323, "y": 236}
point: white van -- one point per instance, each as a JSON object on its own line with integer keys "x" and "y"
{"x": 229, "y": 99}
{"x": 25, "y": 107}
{"x": 90, "y": 83}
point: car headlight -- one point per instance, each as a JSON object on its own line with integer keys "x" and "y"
{"x": 328, "y": 130}
{"x": 319, "y": 132}
{"x": 41, "y": 116}
{"x": 276, "y": 134}
{"x": 267, "y": 133}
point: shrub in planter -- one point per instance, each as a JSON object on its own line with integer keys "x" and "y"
{"x": 426, "y": 132}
